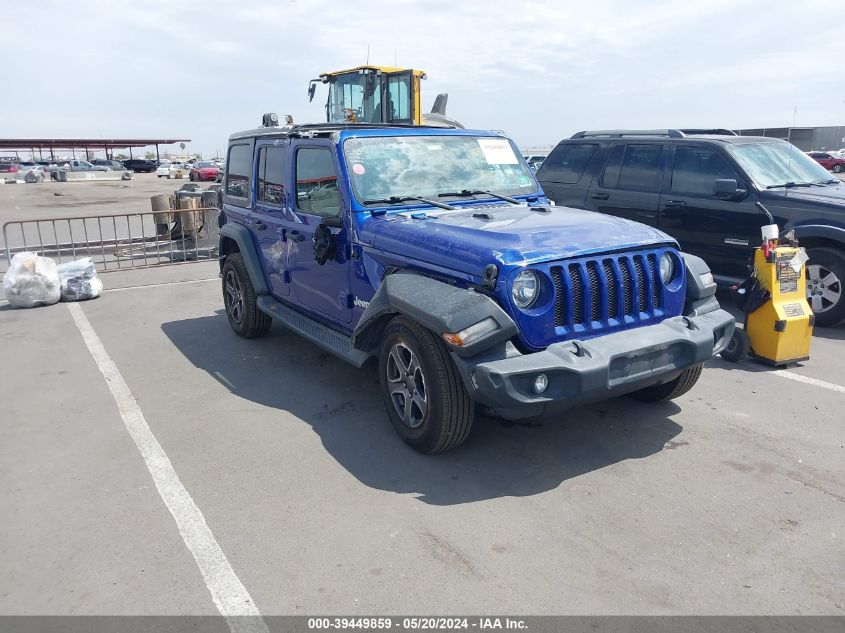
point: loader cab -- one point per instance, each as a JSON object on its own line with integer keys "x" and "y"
{"x": 372, "y": 94}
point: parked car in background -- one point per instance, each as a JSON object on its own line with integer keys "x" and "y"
{"x": 141, "y": 165}
{"x": 172, "y": 170}
{"x": 702, "y": 188}
{"x": 829, "y": 160}
{"x": 535, "y": 160}
{"x": 9, "y": 170}
{"x": 109, "y": 164}
{"x": 204, "y": 170}
{"x": 76, "y": 164}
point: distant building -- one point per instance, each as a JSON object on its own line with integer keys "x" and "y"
{"x": 805, "y": 138}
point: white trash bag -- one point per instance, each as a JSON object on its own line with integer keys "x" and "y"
{"x": 31, "y": 281}
{"x": 79, "y": 280}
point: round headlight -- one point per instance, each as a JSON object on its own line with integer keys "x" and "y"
{"x": 667, "y": 268}
{"x": 526, "y": 289}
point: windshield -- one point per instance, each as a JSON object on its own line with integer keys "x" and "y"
{"x": 206, "y": 165}
{"x": 398, "y": 166}
{"x": 777, "y": 164}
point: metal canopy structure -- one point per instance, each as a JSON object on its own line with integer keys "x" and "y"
{"x": 87, "y": 144}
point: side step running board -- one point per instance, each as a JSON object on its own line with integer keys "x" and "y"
{"x": 319, "y": 334}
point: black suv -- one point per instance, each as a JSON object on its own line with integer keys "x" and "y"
{"x": 140, "y": 165}
{"x": 700, "y": 187}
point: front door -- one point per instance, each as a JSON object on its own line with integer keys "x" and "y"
{"x": 722, "y": 232}
{"x": 268, "y": 216}
{"x": 323, "y": 288}
{"x": 629, "y": 185}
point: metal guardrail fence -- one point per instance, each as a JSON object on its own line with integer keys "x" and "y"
{"x": 118, "y": 242}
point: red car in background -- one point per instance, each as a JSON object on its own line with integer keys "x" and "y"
{"x": 203, "y": 171}
{"x": 829, "y": 161}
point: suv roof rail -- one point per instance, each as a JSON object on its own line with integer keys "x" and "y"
{"x": 322, "y": 129}
{"x": 624, "y": 133}
{"x": 716, "y": 130}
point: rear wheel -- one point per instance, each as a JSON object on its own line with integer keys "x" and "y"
{"x": 825, "y": 276}
{"x": 423, "y": 393}
{"x": 838, "y": 169}
{"x": 239, "y": 299}
{"x": 672, "y": 389}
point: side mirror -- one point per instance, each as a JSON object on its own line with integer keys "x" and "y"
{"x": 325, "y": 244}
{"x": 727, "y": 189}
{"x": 312, "y": 88}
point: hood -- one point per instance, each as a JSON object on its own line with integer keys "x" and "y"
{"x": 469, "y": 238}
{"x": 832, "y": 196}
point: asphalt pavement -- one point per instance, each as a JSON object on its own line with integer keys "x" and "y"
{"x": 278, "y": 460}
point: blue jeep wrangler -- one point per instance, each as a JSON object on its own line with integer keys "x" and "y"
{"x": 435, "y": 253}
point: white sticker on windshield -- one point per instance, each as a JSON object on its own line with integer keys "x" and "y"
{"x": 497, "y": 151}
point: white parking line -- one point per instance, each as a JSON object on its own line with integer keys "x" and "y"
{"x": 165, "y": 283}
{"x": 231, "y": 597}
{"x": 784, "y": 373}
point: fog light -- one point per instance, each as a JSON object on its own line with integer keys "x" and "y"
{"x": 541, "y": 382}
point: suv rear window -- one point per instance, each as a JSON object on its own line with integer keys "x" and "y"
{"x": 633, "y": 167}
{"x": 567, "y": 162}
{"x": 237, "y": 173}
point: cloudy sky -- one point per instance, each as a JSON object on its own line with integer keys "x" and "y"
{"x": 201, "y": 69}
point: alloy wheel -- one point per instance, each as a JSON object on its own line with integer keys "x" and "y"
{"x": 234, "y": 297}
{"x": 824, "y": 288}
{"x": 406, "y": 384}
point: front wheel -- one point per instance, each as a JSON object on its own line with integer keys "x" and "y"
{"x": 825, "y": 276}
{"x": 672, "y": 389}
{"x": 838, "y": 169}
{"x": 240, "y": 302}
{"x": 423, "y": 393}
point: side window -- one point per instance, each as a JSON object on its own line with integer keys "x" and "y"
{"x": 398, "y": 89}
{"x": 697, "y": 168}
{"x": 238, "y": 167}
{"x": 641, "y": 168}
{"x": 610, "y": 175}
{"x": 567, "y": 162}
{"x": 316, "y": 181}
{"x": 270, "y": 175}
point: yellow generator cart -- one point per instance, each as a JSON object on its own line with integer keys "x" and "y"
{"x": 379, "y": 94}
{"x": 778, "y": 319}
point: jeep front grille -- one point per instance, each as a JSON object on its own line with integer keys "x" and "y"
{"x": 592, "y": 292}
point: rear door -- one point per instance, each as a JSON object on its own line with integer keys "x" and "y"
{"x": 630, "y": 183}
{"x": 269, "y": 213}
{"x": 564, "y": 174}
{"x": 722, "y": 232}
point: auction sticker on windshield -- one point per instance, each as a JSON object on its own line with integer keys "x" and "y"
{"x": 497, "y": 151}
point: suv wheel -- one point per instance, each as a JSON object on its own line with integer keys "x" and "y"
{"x": 423, "y": 393}
{"x": 672, "y": 389}
{"x": 838, "y": 169}
{"x": 239, "y": 299}
{"x": 825, "y": 276}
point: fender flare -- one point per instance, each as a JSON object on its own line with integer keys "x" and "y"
{"x": 804, "y": 231}
{"x": 436, "y": 305}
{"x": 241, "y": 235}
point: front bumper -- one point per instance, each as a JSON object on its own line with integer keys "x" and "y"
{"x": 596, "y": 369}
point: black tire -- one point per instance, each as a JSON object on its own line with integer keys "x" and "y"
{"x": 833, "y": 261}
{"x": 191, "y": 177}
{"x": 738, "y": 347}
{"x": 239, "y": 300}
{"x": 672, "y": 389}
{"x": 838, "y": 169}
{"x": 126, "y": 176}
{"x": 449, "y": 410}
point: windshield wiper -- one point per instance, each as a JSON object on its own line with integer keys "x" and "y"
{"x": 465, "y": 193}
{"x": 791, "y": 184}
{"x": 401, "y": 199}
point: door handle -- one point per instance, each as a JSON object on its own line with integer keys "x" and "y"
{"x": 296, "y": 236}
{"x": 675, "y": 204}
{"x": 599, "y": 196}
{"x": 260, "y": 225}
